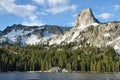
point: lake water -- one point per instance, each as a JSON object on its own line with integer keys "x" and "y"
{"x": 57, "y": 76}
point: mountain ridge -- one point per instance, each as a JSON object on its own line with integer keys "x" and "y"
{"x": 27, "y": 34}
{"x": 86, "y": 31}
{"x": 92, "y": 32}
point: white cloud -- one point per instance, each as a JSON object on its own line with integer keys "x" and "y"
{"x": 0, "y": 8}
{"x": 59, "y": 9}
{"x": 56, "y": 6}
{"x": 41, "y": 2}
{"x": 117, "y": 7}
{"x": 33, "y": 23}
{"x": 25, "y": 11}
{"x": 57, "y": 2}
{"x": 105, "y": 15}
{"x": 19, "y": 10}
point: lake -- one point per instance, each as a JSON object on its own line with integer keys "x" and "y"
{"x": 57, "y": 76}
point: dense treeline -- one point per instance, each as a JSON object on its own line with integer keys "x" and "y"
{"x": 41, "y": 58}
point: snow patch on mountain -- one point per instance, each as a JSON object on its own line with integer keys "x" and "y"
{"x": 82, "y": 27}
{"x": 32, "y": 40}
{"x": 117, "y": 49}
{"x": 74, "y": 36}
{"x": 71, "y": 35}
{"x": 41, "y": 28}
{"x": 47, "y": 34}
{"x": 14, "y": 33}
{"x": 107, "y": 35}
{"x": 11, "y": 39}
{"x": 113, "y": 41}
{"x": 27, "y": 32}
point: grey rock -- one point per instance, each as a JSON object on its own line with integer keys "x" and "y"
{"x": 85, "y": 17}
{"x": 55, "y": 69}
{"x": 99, "y": 35}
{"x": 18, "y": 34}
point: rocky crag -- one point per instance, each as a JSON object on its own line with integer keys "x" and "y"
{"x": 87, "y": 30}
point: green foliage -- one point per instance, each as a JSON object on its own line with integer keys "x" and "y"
{"x": 91, "y": 28}
{"x": 39, "y": 57}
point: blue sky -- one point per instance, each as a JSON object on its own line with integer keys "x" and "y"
{"x": 54, "y": 12}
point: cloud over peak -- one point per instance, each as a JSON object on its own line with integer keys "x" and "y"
{"x": 105, "y": 15}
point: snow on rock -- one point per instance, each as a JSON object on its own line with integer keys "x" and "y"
{"x": 107, "y": 35}
{"x": 32, "y": 40}
{"x": 116, "y": 45}
{"x": 14, "y": 33}
{"x": 57, "y": 41}
{"x": 117, "y": 49}
{"x": 74, "y": 36}
{"x": 23, "y": 35}
{"x": 27, "y": 32}
{"x": 47, "y": 34}
{"x": 113, "y": 41}
{"x": 70, "y": 36}
{"x": 11, "y": 39}
{"x": 41, "y": 28}
{"x": 82, "y": 27}
{"x": 94, "y": 24}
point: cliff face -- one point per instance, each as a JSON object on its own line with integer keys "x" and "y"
{"x": 85, "y": 18}
{"x": 89, "y": 31}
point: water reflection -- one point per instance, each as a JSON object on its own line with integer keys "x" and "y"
{"x": 57, "y": 76}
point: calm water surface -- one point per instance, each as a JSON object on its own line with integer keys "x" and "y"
{"x": 57, "y": 76}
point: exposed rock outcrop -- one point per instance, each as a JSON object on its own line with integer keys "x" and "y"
{"x": 57, "y": 69}
{"x": 88, "y": 31}
{"x": 85, "y": 18}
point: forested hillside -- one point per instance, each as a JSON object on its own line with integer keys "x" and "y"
{"x": 42, "y": 58}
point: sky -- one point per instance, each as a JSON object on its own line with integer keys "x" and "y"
{"x": 54, "y": 12}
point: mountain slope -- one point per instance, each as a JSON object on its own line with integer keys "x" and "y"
{"x": 88, "y": 31}
{"x": 22, "y": 35}
{"x": 83, "y": 20}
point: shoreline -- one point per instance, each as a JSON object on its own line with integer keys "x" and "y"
{"x": 62, "y": 72}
